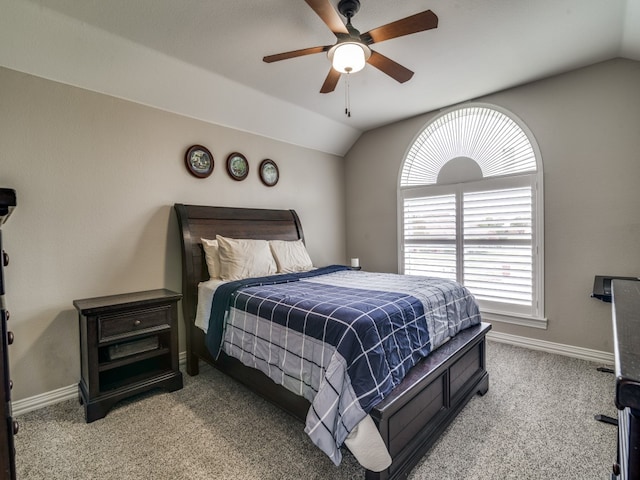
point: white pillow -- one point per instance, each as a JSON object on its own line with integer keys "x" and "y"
{"x": 291, "y": 256}
{"x": 244, "y": 258}
{"x": 212, "y": 257}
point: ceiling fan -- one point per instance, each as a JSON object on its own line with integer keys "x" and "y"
{"x": 351, "y": 51}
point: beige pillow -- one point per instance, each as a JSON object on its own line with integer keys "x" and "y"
{"x": 290, "y": 256}
{"x": 212, "y": 257}
{"x": 244, "y": 258}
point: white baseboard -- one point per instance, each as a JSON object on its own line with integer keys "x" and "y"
{"x": 37, "y": 402}
{"x": 588, "y": 354}
{"x": 70, "y": 392}
{"x": 63, "y": 394}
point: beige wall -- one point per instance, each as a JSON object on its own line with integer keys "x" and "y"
{"x": 587, "y": 124}
{"x": 96, "y": 179}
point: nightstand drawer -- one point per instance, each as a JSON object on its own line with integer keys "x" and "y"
{"x": 114, "y": 327}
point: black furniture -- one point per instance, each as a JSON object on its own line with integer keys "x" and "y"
{"x": 128, "y": 345}
{"x": 602, "y": 286}
{"x": 10, "y": 426}
{"x": 626, "y": 338}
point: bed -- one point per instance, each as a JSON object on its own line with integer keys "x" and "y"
{"x": 409, "y": 419}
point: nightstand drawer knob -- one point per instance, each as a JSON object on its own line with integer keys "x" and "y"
{"x": 7, "y": 315}
{"x": 5, "y": 258}
{"x": 137, "y": 323}
{"x": 16, "y": 427}
{"x": 10, "y": 338}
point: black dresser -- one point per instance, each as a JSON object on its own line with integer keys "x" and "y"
{"x": 10, "y": 427}
{"x": 626, "y": 339}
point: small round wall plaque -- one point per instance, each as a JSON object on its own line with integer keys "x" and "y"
{"x": 269, "y": 173}
{"x": 237, "y": 166}
{"x": 199, "y": 161}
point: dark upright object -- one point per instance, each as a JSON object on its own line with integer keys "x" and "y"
{"x": 414, "y": 414}
{"x": 128, "y": 345}
{"x": 602, "y": 286}
{"x": 10, "y": 427}
{"x": 626, "y": 339}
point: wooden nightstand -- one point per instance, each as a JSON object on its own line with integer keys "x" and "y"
{"x": 128, "y": 345}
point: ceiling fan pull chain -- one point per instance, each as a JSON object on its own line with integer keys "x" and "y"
{"x": 347, "y": 96}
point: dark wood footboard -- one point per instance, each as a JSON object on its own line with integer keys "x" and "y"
{"x": 412, "y": 418}
{"x": 415, "y": 414}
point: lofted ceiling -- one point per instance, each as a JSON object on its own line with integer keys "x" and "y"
{"x": 479, "y": 47}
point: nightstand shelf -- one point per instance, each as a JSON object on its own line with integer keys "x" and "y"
{"x": 113, "y": 364}
{"x": 128, "y": 345}
{"x": 143, "y": 373}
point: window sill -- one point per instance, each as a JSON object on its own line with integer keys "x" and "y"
{"x": 514, "y": 319}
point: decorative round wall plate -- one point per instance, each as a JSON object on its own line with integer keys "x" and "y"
{"x": 199, "y": 161}
{"x": 269, "y": 173}
{"x": 237, "y": 166}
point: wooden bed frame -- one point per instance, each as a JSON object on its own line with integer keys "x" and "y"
{"x": 410, "y": 419}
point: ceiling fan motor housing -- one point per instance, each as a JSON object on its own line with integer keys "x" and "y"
{"x": 348, "y": 8}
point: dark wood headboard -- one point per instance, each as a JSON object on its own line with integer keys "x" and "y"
{"x": 198, "y": 221}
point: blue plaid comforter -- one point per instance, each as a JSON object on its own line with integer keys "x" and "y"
{"x": 342, "y": 339}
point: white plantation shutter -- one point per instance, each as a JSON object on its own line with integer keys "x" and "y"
{"x": 497, "y": 239}
{"x": 430, "y": 236}
{"x": 483, "y": 233}
{"x": 491, "y": 138}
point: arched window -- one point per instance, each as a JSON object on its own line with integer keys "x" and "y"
{"x": 471, "y": 210}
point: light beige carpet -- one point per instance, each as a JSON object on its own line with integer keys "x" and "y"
{"x": 536, "y": 422}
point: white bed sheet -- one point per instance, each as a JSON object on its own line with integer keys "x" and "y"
{"x": 205, "y": 298}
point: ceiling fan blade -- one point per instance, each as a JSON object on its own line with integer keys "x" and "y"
{"x": 328, "y": 14}
{"x": 295, "y": 53}
{"x": 330, "y": 82}
{"x": 415, "y": 23}
{"x": 391, "y": 68}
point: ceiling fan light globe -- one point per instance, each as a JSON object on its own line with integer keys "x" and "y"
{"x": 349, "y": 57}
